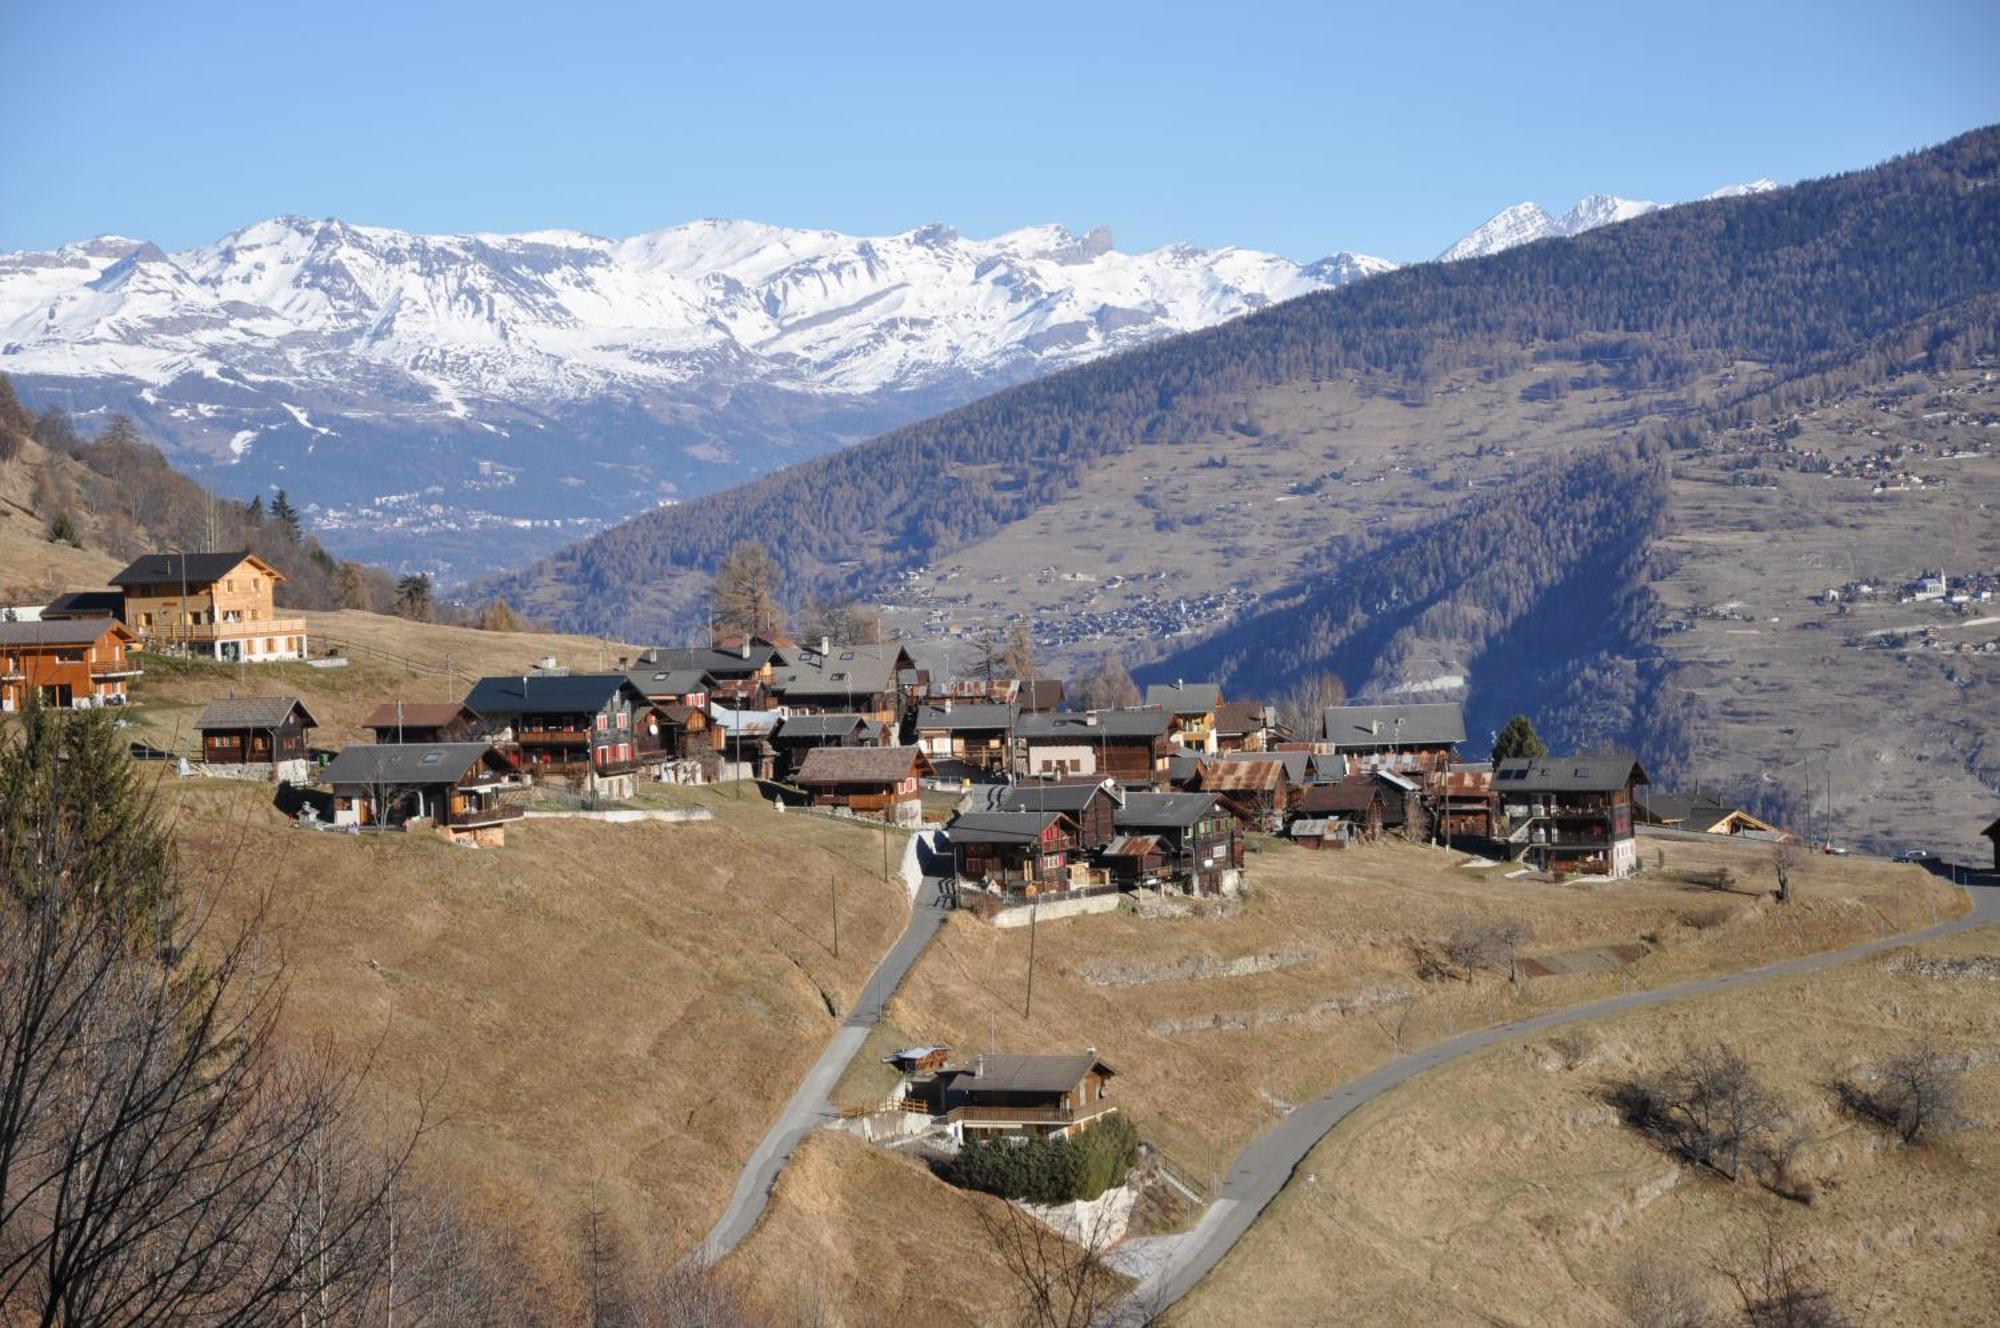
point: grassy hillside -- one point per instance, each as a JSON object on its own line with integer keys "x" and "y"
{"x": 1503, "y": 1188}
{"x": 604, "y": 1013}
{"x": 1787, "y": 281}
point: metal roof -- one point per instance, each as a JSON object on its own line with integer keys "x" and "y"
{"x": 1363, "y": 726}
{"x": 1000, "y": 827}
{"x": 670, "y": 682}
{"x": 1143, "y": 811}
{"x": 60, "y": 631}
{"x": 837, "y": 725}
{"x": 1089, "y": 726}
{"x": 549, "y": 694}
{"x": 379, "y": 763}
{"x": 971, "y": 715}
{"x": 1184, "y": 698}
{"x": 253, "y": 712}
{"x": 417, "y": 714}
{"x": 195, "y": 568}
{"x": 1069, "y": 798}
{"x": 1008, "y": 1072}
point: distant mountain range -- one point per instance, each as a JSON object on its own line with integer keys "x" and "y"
{"x": 465, "y": 402}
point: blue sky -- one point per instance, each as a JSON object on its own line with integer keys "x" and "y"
{"x": 1386, "y": 129}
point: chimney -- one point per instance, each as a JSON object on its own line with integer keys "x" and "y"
{"x": 1180, "y": 684}
{"x": 1090, "y": 719}
{"x": 1374, "y": 726}
{"x": 622, "y": 663}
{"x": 979, "y": 1066}
{"x": 825, "y": 646}
{"x": 746, "y": 647}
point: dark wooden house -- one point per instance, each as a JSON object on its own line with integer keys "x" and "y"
{"x": 1355, "y": 803}
{"x": 1571, "y": 813}
{"x": 1259, "y": 792}
{"x": 977, "y": 734}
{"x": 880, "y": 782}
{"x": 589, "y": 728}
{"x": 1411, "y": 739}
{"x": 1003, "y": 1095}
{"x": 1092, "y": 808}
{"x": 257, "y": 737}
{"x": 1021, "y": 852}
{"x": 797, "y": 735}
{"x": 1197, "y": 839}
{"x": 468, "y": 791}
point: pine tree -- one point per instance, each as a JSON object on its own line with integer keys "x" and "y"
{"x": 285, "y": 516}
{"x": 413, "y": 597}
{"x": 1517, "y": 738}
{"x": 254, "y": 513}
{"x": 63, "y": 531}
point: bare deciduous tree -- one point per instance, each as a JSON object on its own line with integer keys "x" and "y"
{"x": 1652, "y": 1295}
{"x": 1059, "y": 1283}
{"x": 1776, "y": 1289}
{"x": 1915, "y": 1093}
{"x": 1487, "y": 943}
{"x": 1786, "y": 858}
{"x": 1708, "y": 1108}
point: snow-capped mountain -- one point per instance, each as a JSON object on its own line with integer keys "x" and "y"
{"x": 1526, "y": 222}
{"x": 420, "y": 386}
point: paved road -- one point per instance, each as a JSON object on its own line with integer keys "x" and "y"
{"x": 1263, "y": 1168}
{"x": 808, "y": 1107}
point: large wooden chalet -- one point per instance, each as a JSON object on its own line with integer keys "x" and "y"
{"x": 590, "y": 728}
{"x": 1411, "y": 739}
{"x": 1190, "y": 838}
{"x": 797, "y": 735}
{"x": 77, "y": 662}
{"x": 1130, "y": 746}
{"x": 1022, "y": 852}
{"x": 972, "y": 738}
{"x": 1191, "y": 712}
{"x": 220, "y": 605}
{"x": 1571, "y": 813}
{"x": 852, "y": 679}
{"x": 1005, "y": 1095}
{"x": 1092, "y": 808}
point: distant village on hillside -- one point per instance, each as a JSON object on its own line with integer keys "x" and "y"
{"x": 1037, "y": 804}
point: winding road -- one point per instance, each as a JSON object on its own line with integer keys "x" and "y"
{"x": 1266, "y": 1165}
{"x": 808, "y": 1107}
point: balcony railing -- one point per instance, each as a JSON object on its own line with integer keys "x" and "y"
{"x": 224, "y": 631}
{"x": 973, "y": 1114}
{"x": 121, "y": 669}
{"x": 477, "y": 816}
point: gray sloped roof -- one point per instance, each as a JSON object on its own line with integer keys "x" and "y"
{"x": 253, "y": 712}
{"x": 709, "y": 659}
{"x": 195, "y": 567}
{"x": 1566, "y": 774}
{"x": 403, "y": 763}
{"x": 1132, "y": 722}
{"x": 58, "y": 631}
{"x": 999, "y": 827}
{"x": 85, "y": 604}
{"x": 1008, "y": 1072}
{"x": 547, "y": 694}
{"x": 971, "y": 715}
{"x": 1069, "y": 799}
{"x": 1363, "y": 726}
{"x": 841, "y": 671}
{"x": 670, "y": 682}
{"x": 1145, "y": 810}
{"x": 1184, "y": 698}
{"x": 836, "y": 725}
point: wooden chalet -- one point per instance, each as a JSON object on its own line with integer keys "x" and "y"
{"x": 1196, "y": 839}
{"x": 589, "y": 728}
{"x": 850, "y": 679}
{"x": 1571, "y": 813}
{"x": 1128, "y": 745}
{"x": 217, "y": 605}
{"x": 1243, "y": 726}
{"x": 467, "y": 791}
{"x": 977, "y": 735}
{"x": 1259, "y": 792}
{"x": 797, "y": 735}
{"x": 77, "y": 662}
{"x": 425, "y": 721}
{"x": 257, "y": 737}
{"x": 1698, "y": 813}
{"x": 1467, "y": 804}
{"x": 1411, "y": 739}
{"x": 1191, "y": 712}
{"x": 1020, "y": 852}
{"x": 1353, "y": 809}
{"x": 1006, "y": 1095}
{"x": 1040, "y": 694}
{"x": 1092, "y": 808}
{"x": 665, "y": 687}
{"x": 880, "y": 782}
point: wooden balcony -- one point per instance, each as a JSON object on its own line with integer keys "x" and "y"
{"x": 178, "y": 633}
{"x": 981, "y": 1115}
{"x": 474, "y": 817}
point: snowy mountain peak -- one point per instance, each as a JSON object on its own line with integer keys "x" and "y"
{"x": 1521, "y": 224}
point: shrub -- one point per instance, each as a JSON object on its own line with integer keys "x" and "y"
{"x": 1048, "y": 1171}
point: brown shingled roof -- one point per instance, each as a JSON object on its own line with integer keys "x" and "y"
{"x": 861, "y": 765}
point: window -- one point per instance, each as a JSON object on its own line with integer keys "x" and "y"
{"x": 624, "y": 720}
{"x": 603, "y": 723}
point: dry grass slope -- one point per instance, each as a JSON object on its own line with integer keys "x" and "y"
{"x": 1504, "y": 1189}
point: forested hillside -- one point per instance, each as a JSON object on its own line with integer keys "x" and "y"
{"x": 1778, "y": 284}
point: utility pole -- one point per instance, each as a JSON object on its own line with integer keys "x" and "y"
{"x": 1034, "y": 908}
{"x": 833, "y": 890}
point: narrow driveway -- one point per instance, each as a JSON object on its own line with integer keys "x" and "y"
{"x": 808, "y": 1107}
{"x": 1264, "y": 1167}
